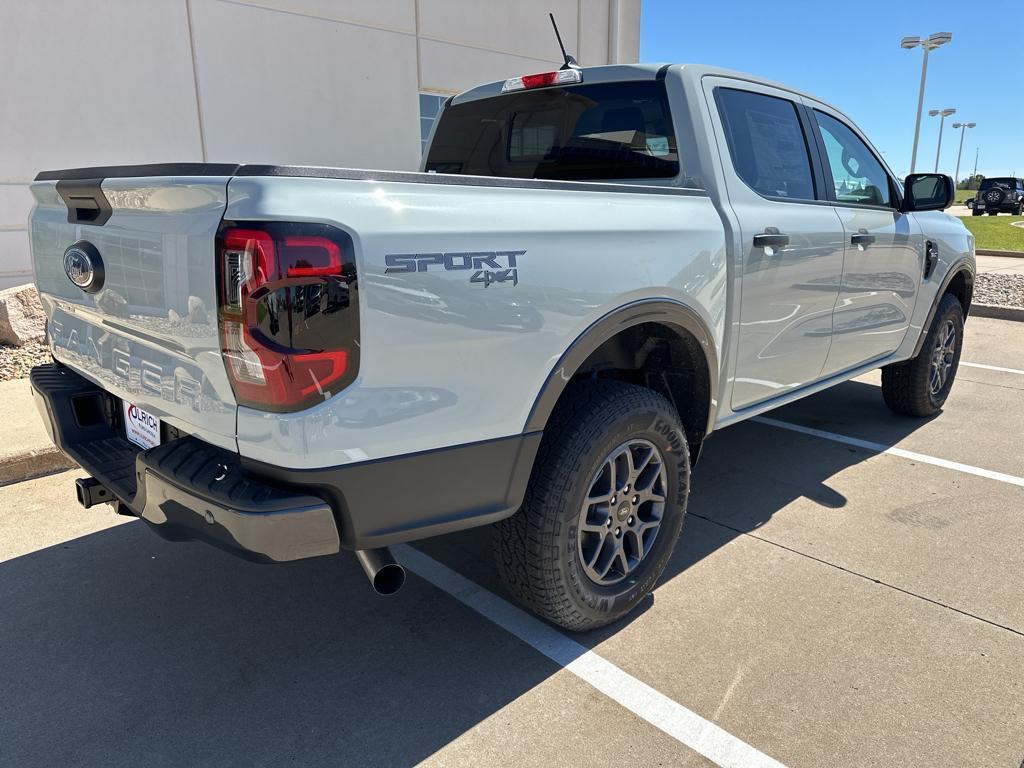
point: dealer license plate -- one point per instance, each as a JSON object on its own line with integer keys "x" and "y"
{"x": 141, "y": 428}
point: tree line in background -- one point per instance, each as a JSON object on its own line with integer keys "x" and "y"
{"x": 971, "y": 182}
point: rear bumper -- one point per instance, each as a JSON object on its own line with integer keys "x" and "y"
{"x": 186, "y": 488}
{"x": 189, "y": 489}
{"x": 1003, "y": 207}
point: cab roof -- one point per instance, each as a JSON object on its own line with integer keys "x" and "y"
{"x": 611, "y": 73}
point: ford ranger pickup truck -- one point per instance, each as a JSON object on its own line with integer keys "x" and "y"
{"x": 593, "y": 270}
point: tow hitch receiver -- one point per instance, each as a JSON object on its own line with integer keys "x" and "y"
{"x": 92, "y": 492}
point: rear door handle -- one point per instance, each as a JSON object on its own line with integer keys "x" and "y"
{"x": 862, "y": 238}
{"x": 771, "y": 240}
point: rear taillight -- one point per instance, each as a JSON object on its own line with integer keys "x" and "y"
{"x": 289, "y": 319}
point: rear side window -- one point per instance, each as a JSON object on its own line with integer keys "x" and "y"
{"x": 583, "y": 132}
{"x": 766, "y": 143}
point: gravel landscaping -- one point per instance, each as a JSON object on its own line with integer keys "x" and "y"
{"x": 1004, "y": 290}
{"x": 16, "y": 362}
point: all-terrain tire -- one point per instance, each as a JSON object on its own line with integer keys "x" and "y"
{"x": 907, "y": 386}
{"x": 538, "y": 549}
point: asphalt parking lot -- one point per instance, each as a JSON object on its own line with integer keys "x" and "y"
{"x": 832, "y": 602}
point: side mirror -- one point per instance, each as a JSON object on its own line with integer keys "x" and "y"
{"x": 927, "y": 192}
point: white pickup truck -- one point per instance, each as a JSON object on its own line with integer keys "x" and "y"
{"x": 595, "y": 269}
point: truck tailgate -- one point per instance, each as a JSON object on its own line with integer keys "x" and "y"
{"x": 147, "y": 330}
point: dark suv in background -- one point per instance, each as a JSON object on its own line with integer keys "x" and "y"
{"x": 1000, "y": 195}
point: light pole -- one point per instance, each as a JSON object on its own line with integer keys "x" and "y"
{"x": 962, "y": 127}
{"x": 928, "y": 43}
{"x": 943, "y": 114}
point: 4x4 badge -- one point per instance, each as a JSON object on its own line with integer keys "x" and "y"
{"x": 487, "y": 266}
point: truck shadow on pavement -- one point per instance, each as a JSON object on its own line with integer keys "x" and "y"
{"x": 746, "y": 474}
{"x": 120, "y": 648}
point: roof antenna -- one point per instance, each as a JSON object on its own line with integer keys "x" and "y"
{"x": 570, "y": 62}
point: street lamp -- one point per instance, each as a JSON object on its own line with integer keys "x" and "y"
{"x": 943, "y": 114}
{"x": 928, "y": 43}
{"x": 961, "y": 126}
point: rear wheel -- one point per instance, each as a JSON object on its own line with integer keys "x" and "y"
{"x": 603, "y": 508}
{"x": 920, "y": 386}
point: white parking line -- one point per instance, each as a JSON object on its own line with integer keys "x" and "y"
{"x": 670, "y": 717}
{"x": 893, "y": 451}
{"x": 992, "y": 368}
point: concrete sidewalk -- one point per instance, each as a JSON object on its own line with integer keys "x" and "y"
{"x": 25, "y": 448}
{"x": 1003, "y": 265}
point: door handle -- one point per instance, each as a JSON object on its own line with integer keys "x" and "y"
{"x": 862, "y": 239}
{"x": 771, "y": 240}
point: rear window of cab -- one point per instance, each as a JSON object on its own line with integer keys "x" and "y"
{"x": 599, "y": 131}
{"x": 1007, "y": 183}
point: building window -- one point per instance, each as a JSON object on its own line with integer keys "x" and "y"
{"x": 430, "y": 107}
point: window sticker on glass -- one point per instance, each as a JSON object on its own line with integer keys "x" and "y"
{"x": 779, "y": 151}
{"x": 766, "y": 143}
{"x": 658, "y": 145}
{"x": 532, "y": 138}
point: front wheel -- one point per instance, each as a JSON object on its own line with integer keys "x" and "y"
{"x": 603, "y": 508}
{"x": 920, "y": 386}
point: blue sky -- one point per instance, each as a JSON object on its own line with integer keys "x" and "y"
{"x": 849, "y": 55}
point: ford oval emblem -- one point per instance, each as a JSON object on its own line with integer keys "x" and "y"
{"x": 83, "y": 266}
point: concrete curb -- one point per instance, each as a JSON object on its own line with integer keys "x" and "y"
{"x": 998, "y": 312}
{"x": 986, "y": 252}
{"x": 26, "y": 450}
{"x": 35, "y": 463}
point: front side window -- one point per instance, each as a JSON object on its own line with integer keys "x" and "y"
{"x": 584, "y": 132}
{"x": 766, "y": 143}
{"x": 857, "y": 176}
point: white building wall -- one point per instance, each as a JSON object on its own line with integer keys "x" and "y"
{"x": 306, "y": 82}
